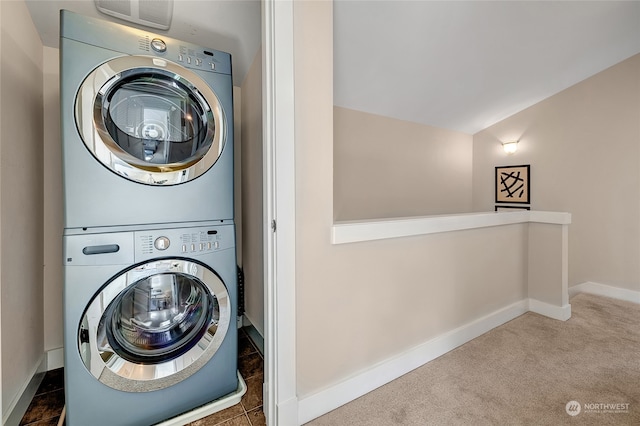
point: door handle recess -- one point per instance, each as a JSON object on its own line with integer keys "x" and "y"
{"x": 103, "y": 249}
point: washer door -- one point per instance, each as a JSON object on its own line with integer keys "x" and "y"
{"x": 154, "y": 325}
{"x": 150, "y": 120}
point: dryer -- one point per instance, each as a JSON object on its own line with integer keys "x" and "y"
{"x": 149, "y": 322}
{"x": 147, "y": 127}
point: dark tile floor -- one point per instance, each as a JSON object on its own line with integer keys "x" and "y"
{"x": 46, "y": 407}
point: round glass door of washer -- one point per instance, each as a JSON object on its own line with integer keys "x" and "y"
{"x": 154, "y": 325}
{"x": 150, "y": 120}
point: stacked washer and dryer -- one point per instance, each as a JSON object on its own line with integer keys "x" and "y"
{"x": 150, "y": 285}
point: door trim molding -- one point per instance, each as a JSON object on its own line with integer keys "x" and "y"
{"x": 280, "y": 399}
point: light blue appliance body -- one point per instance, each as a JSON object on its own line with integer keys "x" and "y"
{"x": 96, "y": 196}
{"x": 93, "y": 262}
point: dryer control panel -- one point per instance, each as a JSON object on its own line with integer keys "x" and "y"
{"x": 120, "y": 38}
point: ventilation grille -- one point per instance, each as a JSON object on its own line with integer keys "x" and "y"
{"x": 150, "y": 13}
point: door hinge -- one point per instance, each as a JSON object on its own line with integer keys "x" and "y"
{"x": 273, "y": 225}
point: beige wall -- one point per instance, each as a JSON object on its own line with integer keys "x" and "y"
{"x": 545, "y": 263}
{"x": 251, "y": 166}
{"x": 53, "y": 224}
{"x": 21, "y": 200}
{"x": 384, "y": 167}
{"x": 359, "y": 304}
{"x": 583, "y": 145}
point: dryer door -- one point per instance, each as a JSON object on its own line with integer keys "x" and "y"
{"x": 150, "y": 120}
{"x": 154, "y": 325}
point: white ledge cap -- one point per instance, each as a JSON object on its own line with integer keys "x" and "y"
{"x": 377, "y": 229}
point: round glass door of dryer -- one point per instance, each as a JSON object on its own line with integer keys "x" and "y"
{"x": 150, "y": 120}
{"x": 154, "y": 325}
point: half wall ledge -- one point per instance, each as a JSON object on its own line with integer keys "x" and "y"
{"x": 378, "y": 229}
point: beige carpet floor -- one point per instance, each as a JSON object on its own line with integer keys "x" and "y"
{"x": 524, "y": 372}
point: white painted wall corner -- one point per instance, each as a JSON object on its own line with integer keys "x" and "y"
{"x": 561, "y": 313}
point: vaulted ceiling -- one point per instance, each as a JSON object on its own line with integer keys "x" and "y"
{"x": 464, "y": 65}
{"x": 460, "y": 65}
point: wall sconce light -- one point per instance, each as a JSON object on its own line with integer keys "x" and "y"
{"x": 510, "y": 147}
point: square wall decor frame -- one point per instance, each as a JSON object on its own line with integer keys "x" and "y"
{"x": 512, "y": 184}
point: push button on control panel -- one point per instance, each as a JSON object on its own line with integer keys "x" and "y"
{"x": 201, "y": 242}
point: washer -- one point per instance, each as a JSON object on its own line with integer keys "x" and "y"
{"x": 147, "y": 127}
{"x": 149, "y": 322}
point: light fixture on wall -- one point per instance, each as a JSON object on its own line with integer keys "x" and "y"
{"x": 510, "y": 147}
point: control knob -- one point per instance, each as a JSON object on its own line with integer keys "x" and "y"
{"x": 161, "y": 243}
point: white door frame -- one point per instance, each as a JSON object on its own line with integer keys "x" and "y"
{"x": 280, "y": 401}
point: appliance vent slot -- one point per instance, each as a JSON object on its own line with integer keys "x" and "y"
{"x": 157, "y": 12}
{"x": 149, "y": 13}
{"x": 122, "y": 7}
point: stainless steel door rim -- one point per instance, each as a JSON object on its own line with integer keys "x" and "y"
{"x": 97, "y": 90}
{"x": 139, "y": 358}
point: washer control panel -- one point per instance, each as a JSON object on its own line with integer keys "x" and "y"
{"x": 186, "y": 242}
{"x": 126, "y": 247}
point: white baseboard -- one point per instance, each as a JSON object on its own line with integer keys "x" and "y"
{"x": 50, "y": 361}
{"x": 606, "y": 290}
{"x": 288, "y": 412}
{"x": 55, "y": 359}
{"x": 249, "y": 321}
{"x": 561, "y": 313}
{"x": 20, "y": 403}
{"x": 317, "y": 404}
